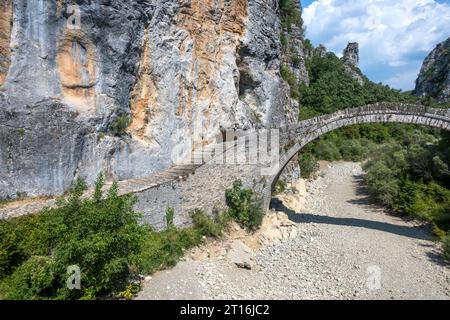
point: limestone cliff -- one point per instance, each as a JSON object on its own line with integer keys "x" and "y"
{"x": 434, "y": 77}
{"x": 180, "y": 70}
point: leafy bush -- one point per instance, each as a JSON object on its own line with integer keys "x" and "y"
{"x": 207, "y": 226}
{"x": 411, "y": 178}
{"x": 100, "y": 236}
{"x": 164, "y": 249}
{"x": 243, "y": 207}
{"x": 120, "y": 125}
{"x": 280, "y": 187}
{"x": 355, "y": 150}
{"x": 446, "y": 247}
{"x": 170, "y": 213}
{"x": 308, "y": 164}
{"x": 33, "y": 280}
{"x": 97, "y": 234}
{"x": 327, "y": 150}
{"x": 284, "y": 41}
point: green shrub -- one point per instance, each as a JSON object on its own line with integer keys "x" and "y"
{"x": 10, "y": 255}
{"x": 411, "y": 179}
{"x": 99, "y": 235}
{"x": 205, "y": 225}
{"x": 446, "y": 247}
{"x": 33, "y": 280}
{"x": 27, "y": 236}
{"x": 243, "y": 207}
{"x": 170, "y": 213}
{"x": 120, "y": 124}
{"x": 102, "y": 235}
{"x": 280, "y": 187}
{"x": 284, "y": 41}
{"x": 164, "y": 249}
{"x": 308, "y": 164}
{"x": 290, "y": 78}
{"x": 353, "y": 150}
{"x": 296, "y": 61}
{"x": 327, "y": 150}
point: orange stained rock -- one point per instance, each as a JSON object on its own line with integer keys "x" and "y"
{"x": 212, "y": 26}
{"x": 144, "y": 96}
{"x": 5, "y": 37}
{"x": 77, "y": 69}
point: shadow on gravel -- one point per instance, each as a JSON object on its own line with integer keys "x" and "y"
{"x": 406, "y": 231}
{"x": 435, "y": 256}
{"x": 361, "y": 191}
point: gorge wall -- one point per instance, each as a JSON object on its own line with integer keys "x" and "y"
{"x": 434, "y": 77}
{"x": 182, "y": 71}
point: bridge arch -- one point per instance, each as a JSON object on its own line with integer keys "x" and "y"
{"x": 296, "y": 137}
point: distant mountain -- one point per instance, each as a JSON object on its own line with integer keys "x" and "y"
{"x": 434, "y": 77}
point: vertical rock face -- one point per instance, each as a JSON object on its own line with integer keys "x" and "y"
{"x": 350, "y": 59}
{"x": 434, "y": 77}
{"x": 181, "y": 70}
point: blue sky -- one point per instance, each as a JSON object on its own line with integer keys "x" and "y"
{"x": 394, "y": 35}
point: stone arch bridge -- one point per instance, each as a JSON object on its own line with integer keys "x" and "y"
{"x": 202, "y": 184}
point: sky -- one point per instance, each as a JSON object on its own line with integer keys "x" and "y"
{"x": 394, "y": 36}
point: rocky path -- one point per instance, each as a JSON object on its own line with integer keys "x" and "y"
{"x": 342, "y": 248}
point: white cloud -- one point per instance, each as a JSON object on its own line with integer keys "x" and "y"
{"x": 395, "y": 35}
{"x": 402, "y": 80}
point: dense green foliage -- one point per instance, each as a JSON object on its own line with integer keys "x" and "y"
{"x": 446, "y": 247}
{"x": 164, "y": 249}
{"x": 243, "y": 206}
{"x": 210, "y": 227}
{"x": 412, "y": 177}
{"x": 332, "y": 89}
{"x": 98, "y": 234}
